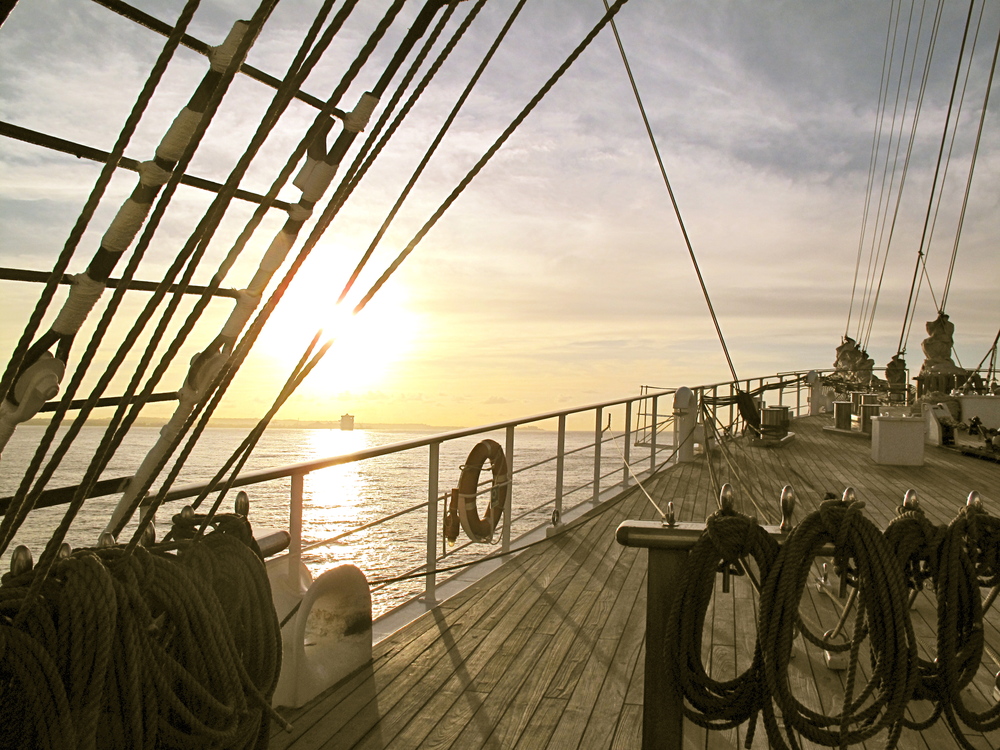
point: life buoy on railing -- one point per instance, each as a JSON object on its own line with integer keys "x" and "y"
{"x": 463, "y": 511}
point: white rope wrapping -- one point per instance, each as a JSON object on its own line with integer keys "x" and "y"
{"x": 220, "y": 57}
{"x": 298, "y": 212}
{"x": 302, "y": 178}
{"x": 357, "y": 120}
{"x": 271, "y": 262}
{"x": 125, "y": 226}
{"x": 152, "y": 174}
{"x": 83, "y": 295}
{"x": 318, "y": 179}
{"x": 200, "y": 375}
{"x": 178, "y": 135}
{"x": 7, "y": 422}
{"x": 246, "y": 303}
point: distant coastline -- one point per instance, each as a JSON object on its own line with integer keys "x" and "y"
{"x": 294, "y": 424}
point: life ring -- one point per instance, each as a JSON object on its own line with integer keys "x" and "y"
{"x": 463, "y": 511}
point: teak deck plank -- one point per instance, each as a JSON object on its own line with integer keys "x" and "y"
{"x": 548, "y": 650}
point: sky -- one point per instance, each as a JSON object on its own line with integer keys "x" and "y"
{"x": 559, "y": 276}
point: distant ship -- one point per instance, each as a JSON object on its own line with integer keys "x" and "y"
{"x": 347, "y": 422}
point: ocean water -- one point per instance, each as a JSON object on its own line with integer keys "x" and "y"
{"x": 336, "y": 499}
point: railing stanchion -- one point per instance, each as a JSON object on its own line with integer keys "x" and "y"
{"x": 433, "y": 461}
{"x": 509, "y": 494}
{"x": 295, "y": 528}
{"x": 560, "y": 464}
{"x": 598, "y": 437}
{"x": 627, "y": 439}
{"x": 652, "y": 440}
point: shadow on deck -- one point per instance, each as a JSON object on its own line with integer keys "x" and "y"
{"x": 547, "y": 651}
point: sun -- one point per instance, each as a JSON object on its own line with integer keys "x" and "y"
{"x": 367, "y": 347}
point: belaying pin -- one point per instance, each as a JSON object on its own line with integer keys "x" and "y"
{"x": 187, "y": 514}
{"x": 850, "y": 495}
{"x": 148, "y": 538}
{"x": 20, "y": 560}
{"x": 787, "y": 508}
{"x": 671, "y": 520}
{"x": 726, "y": 498}
{"x": 106, "y": 539}
{"x": 242, "y": 504}
{"x": 64, "y": 551}
{"x": 974, "y": 501}
{"x": 996, "y": 688}
{"x": 910, "y": 501}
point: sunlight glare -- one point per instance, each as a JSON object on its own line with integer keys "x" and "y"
{"x": 366, "y": 346}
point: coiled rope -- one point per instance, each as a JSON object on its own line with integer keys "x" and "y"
{"x": 141, "y": 650}
{"x": 886, "y": 571}
{"x": 729, "y": 538}
{"x": 881, "y": 613}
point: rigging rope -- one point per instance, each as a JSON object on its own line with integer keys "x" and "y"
{"x": 313, "y": 181}
{"x": 911, "y": 302}
{"x": 883, "y": 96}
{"x": 673, "y": 201}
{"x": 477, "y": 168}
{"x": 437, "y": 139}
{"x": 972, "y": 166}
{"x": 24, "y": 499}
{"x": 883, "y": 243}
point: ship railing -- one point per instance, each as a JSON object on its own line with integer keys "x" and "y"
{"x": 576, "y": 486}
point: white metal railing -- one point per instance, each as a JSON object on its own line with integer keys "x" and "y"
{"x": 601, "y": 482}
{"x": 646, "y": 444}
{"x": 643, "y": 440}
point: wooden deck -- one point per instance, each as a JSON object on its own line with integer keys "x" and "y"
{"x": 547, "y": 651}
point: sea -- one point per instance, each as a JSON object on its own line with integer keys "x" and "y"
{"x": 336, "y": 499}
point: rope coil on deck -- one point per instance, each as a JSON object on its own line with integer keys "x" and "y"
{"x": 729, "y": 537}
{"x": 141, "y": 650}
{"x": 886, "y": 571}
{"x": 881, "y": 614}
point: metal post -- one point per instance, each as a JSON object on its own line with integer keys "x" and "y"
{"x": 781, "y": 390}
{"x": 628, "y": 442}
{"x": 798, "y": 399}
{"x": 295, "y": 528}
{"x": 430, "y": 582}
{"x": 732, "y": 416}
{"x": 652, "y": 441}
{"x": 598, "y": 436}
{"x": 509, "y": 500}
{"x": 560, "y": 464}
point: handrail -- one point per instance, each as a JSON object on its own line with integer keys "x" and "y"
{"x": 648, "y": 419}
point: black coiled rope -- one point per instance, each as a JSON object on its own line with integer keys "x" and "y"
{"x": 142, "y": 650}
{"x": 729, "y": 538}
